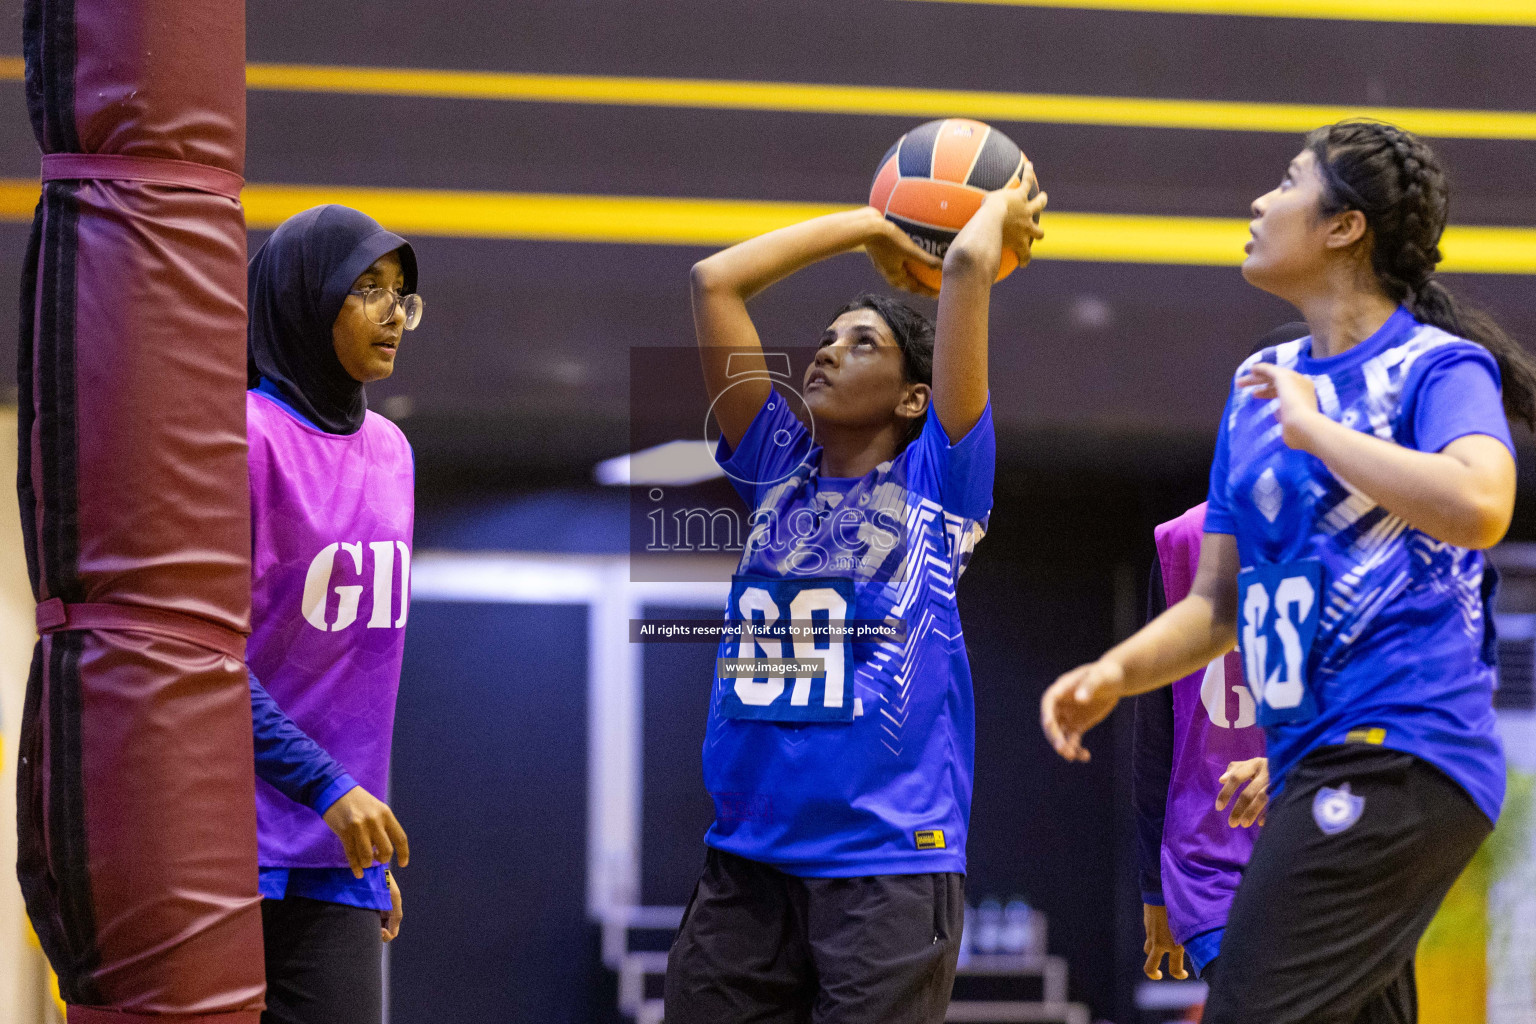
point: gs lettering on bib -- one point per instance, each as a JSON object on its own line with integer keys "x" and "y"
{"x": 789, "y": 620}
{"x": 1278, "y": 609}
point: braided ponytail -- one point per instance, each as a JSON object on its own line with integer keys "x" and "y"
{"x": 1396, "y": 181}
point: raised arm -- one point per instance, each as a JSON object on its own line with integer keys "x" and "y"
{"x": 1185, "y": 638}
{"x": 1006, "y": 220}
{"x": 722, "y": 284}
{"x": 1462, "y": 495}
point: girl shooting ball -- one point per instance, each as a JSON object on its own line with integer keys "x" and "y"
{"x": 832, "y": 884}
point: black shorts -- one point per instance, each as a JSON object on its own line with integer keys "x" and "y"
{"x": 324, "y": 963}
{"x": 1331, "y": 908}
{"x": 759, "y": 945}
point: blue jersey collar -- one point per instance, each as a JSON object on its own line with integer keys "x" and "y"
{"x": 1390, "y": 334}
{"x": 268, "y": 389}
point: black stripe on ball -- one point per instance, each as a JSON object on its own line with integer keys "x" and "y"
{"x": 996, "y": 164}
{"x": 927, "y": 237}
{"x": 917, "y": 150}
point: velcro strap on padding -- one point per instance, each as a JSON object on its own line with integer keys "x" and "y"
{"x": 54, "y": 615}
{"x": 156, "y": 169}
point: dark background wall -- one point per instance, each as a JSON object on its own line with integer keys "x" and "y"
{"x": 489, "y": 773}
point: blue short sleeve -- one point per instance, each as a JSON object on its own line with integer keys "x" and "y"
{"x": 958, "y": 476}
{"x": 773, "y": 447}
{"x": 1457, "y": 394}
{"x": 1218, "y": 508}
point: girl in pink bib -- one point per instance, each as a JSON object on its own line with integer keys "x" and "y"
{"x": 332, "y": 505}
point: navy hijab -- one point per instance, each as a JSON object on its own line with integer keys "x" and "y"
{"x": 297, "y": 284}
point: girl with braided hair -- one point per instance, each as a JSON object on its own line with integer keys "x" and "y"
{"x": 1359, "y": 474}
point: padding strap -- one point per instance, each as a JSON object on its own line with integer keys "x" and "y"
{"x": 161, "y": 171}
{"x": 108, "y": 1015}
{"x": 54, "y": 615}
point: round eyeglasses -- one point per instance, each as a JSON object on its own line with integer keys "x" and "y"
{"x": 379, "y": 305}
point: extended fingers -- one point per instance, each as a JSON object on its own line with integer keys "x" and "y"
{"x": 358, "y": 848}
{"x": 1050, "y": 714}
{"x": 1261, "y": 374}
{"x": 1070, "y": 746}
{"x": 1053, "y": 731}
{"x": 1230, "y": 783}
{"x": 390, "y": 919}
{"x": 1266, "y": 381}
{"x": 1176, "y": 963}
{"x": 1067, "y": 744}
{"x": 1062, "y": 715}
{"x": 397, "y": 837}
{"x": 1237, "y": 773}
{"x": 1035, "y": 206}
{"x": 1249, "y": 806}
{"x": 378, "y": 837}
{"x": 1027, "y": 178}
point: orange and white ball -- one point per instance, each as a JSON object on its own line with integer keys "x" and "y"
{"x": 936, "y": 176}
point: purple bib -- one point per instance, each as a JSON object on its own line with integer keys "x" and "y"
{"x": 1213, "y": 725}
{"x": 331, "y": 519}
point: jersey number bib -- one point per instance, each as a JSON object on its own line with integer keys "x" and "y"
{"x": 779, "y": 619}
{"x": 1278, "y": 609}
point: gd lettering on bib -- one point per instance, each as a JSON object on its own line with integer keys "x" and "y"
{"x": 790, "y": 620}
{"x": 1278, "y": 607}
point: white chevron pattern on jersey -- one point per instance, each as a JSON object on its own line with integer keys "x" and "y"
{"x": 886, "y": 678}
{"x": 1387, "y": 373}
{"x": 1383, "y": 538}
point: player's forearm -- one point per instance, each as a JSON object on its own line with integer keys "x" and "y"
{"x": 721, "y": 285}
{"x": 748, "y": 267}
{"x": 978, "y": 249}
{"x": 1184, "y": 639}
{"x": 960, "y": 340}
{"x": 286, "y": 757}
{"x": 1469, "y": 506}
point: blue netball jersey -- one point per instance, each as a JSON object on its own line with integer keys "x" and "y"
{"x": 1401, "y": 648}
{"x": 865, "y": 768}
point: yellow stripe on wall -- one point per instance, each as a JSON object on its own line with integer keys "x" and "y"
{"x": 1452, "y": 12}
{"x": 642, "y": 220}
{"x": 532, "y": 215}
{"x": 893, "y": 101}
{"x": 887, "y": 101}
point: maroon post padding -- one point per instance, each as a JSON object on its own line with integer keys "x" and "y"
{"x": 136, "y": 815}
